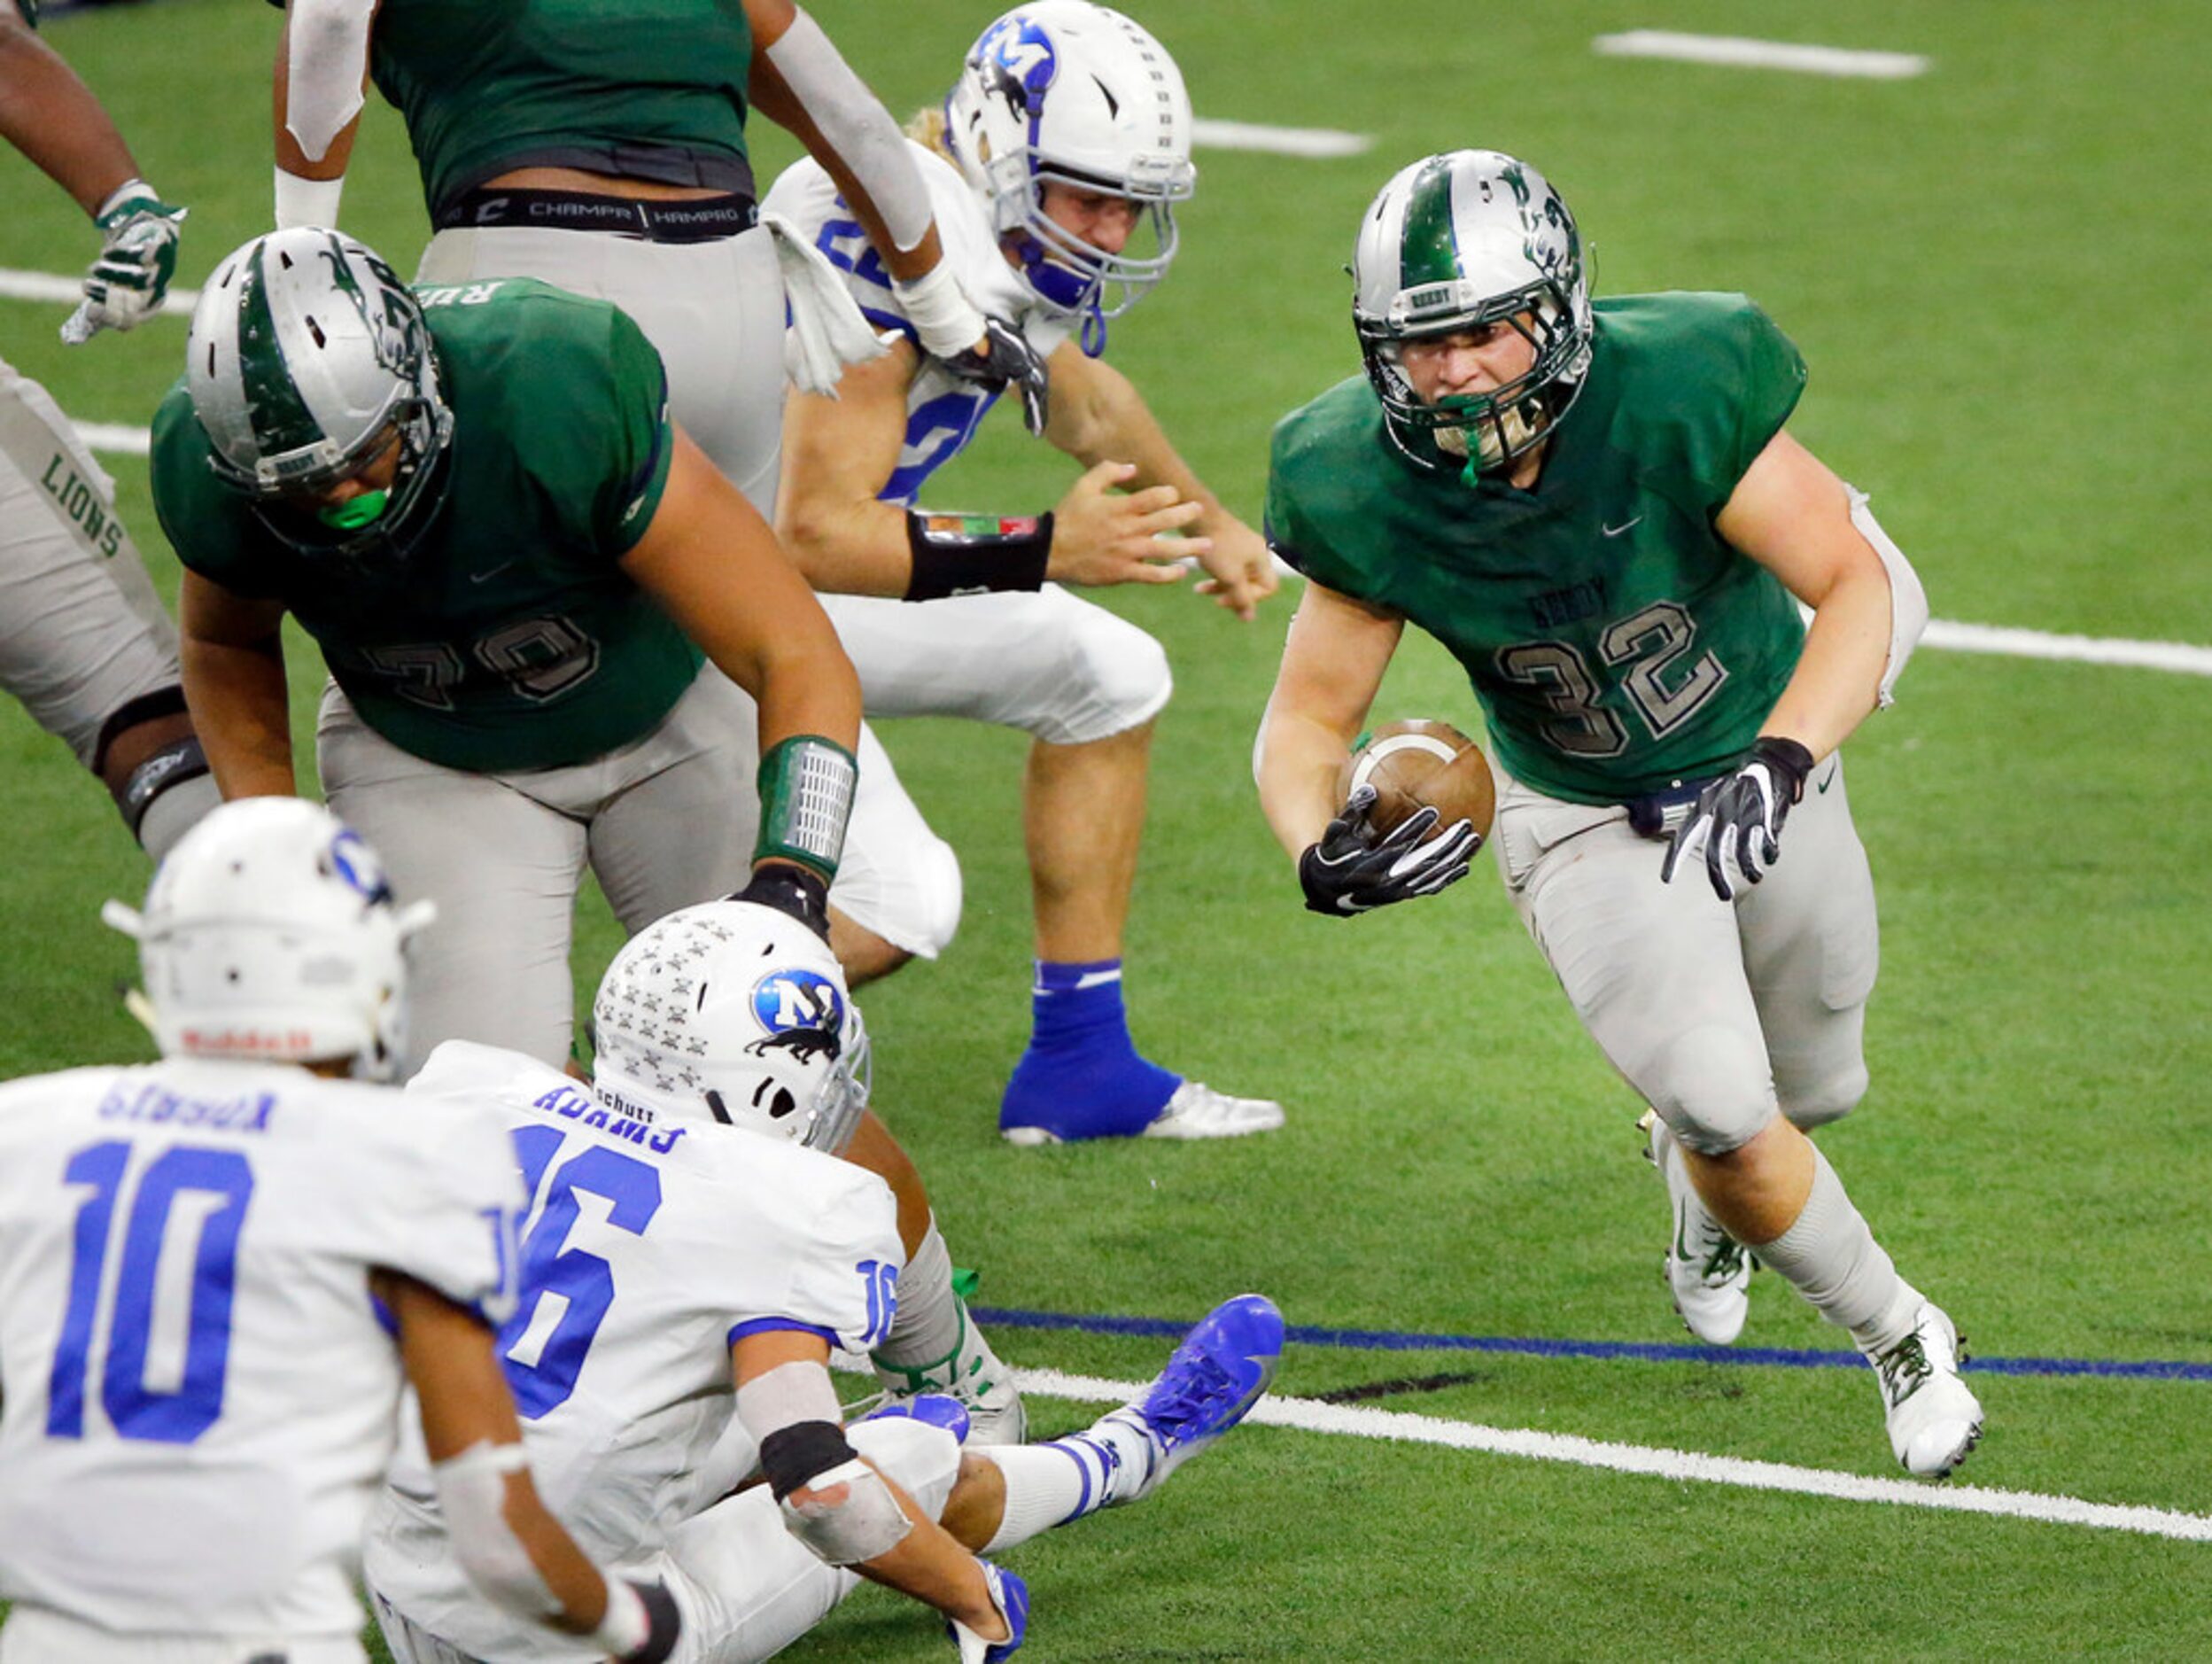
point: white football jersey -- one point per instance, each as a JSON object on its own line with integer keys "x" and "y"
{"x": 200, "y": 1396}
{"x": 645, "y": 1251}
{"x": 942, "y": 412}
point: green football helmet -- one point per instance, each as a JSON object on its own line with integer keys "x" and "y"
{"x": 307, "y": 355}
{"x": 1459, "y": 239}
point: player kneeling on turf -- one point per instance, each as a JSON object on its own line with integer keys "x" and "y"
{"x": 691, "y": 1252}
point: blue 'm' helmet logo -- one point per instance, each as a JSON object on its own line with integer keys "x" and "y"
{"x": 802, "y": 1011}
{"x": 1018, "y": 62}
{"x": 356, "y": 867}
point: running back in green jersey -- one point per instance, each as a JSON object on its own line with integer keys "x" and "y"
{"x": 509, "y": 638}
{"x": 621, "y": 87}
{"x": 1618, "y": 645}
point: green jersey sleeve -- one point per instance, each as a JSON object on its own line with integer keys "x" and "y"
{"x": 1726, "y": 375}
{"x": 1305, "y": 493}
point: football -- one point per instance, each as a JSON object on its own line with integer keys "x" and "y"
{"x": 1419, "y": 764}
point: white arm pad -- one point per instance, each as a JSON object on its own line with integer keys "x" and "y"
{"x": 854, "y": 123}
{"x": 328, "y": 57}
{"x": 786, "y": 1395}
{"x": 867, "y": 1523}
{"x": 473, "y": 1495}
{"x": 306, "y": 201}
{"x": 1908, "y": 600}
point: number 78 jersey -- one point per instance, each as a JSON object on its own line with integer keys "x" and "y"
{"x": 200, "y": 1397}
{"x": 1617, "y": 643}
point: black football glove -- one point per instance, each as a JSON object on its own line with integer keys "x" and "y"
{"x": 796, "y": 891}
{"x": 1007, "y": 361}
{"x": 1736, "y": 823}
{"x": 1354, "y": 870}
{"x": 667, "y": 1623}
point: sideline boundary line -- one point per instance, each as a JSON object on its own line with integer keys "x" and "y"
{"x": 1306, "y": 1415}
{"x": 1629, "y": 1351}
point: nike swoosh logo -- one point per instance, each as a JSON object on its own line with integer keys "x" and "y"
{"x": 1626, "y": 526}
{"x": 1830, "y": 781}
{"x": 485, "y": 578}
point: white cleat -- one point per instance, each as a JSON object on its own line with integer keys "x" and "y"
{"x": 1197, "y": 1111}
{"x": 1934, "y": 1420}
{"x": 1708, "y": 1271}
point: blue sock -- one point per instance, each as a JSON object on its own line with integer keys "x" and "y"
{"x": 1081, "y": 1076}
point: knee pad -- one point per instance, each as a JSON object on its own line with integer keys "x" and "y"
{"x": 1816, "y": 1103}
{"x": 1712, "y": 1087}
{"x": 1115, "y": 678}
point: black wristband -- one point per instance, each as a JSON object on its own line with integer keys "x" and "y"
{"x": 666, "y": 1621}
{"x": 1786, "y": 757}
{"x": 974, "y": 554}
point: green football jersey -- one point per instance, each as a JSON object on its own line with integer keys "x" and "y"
{"x": 607, "y": 86}
{"x": 509, "y": 638}
{"x": 1617, "y": 643}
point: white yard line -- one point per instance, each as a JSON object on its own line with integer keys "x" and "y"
{"x": 45, "y": 285}
{"x": 113, "y": 436}
{"x": 1350, "y": 1421}
{"x": 1736, "y": 53}
{"x": 1280, "y": 141}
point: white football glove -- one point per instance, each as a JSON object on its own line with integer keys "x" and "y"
{"x": 137, "y": 259}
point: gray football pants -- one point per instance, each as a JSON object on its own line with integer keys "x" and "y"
{"x": 1718, "y": 1013}
{"x": 664, "y": 823}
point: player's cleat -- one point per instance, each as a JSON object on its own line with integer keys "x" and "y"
{"x": 971, "y": 1372}
{"x": 1193, "y": 1110}
{"x": 1214, "y": 1378}
{"x": 1934, "y": 1420}
{"x": 1708, "y": 1271}
{"x": 1011, "y": 1596}
{"x": 938, "y": 1409}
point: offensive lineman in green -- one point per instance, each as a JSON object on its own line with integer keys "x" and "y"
{"x": 538, "y": 600}
{"x": 1596, "y": 510}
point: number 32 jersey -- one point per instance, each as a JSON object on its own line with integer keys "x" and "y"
{"x": 646, "y": 1252}
{"x": 1617, "y": 643}
{"x": 200, "y": 1395}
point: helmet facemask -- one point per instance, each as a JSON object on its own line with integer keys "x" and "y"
{"x": 1453, "y": 244}
{"x": 308, "y": 358}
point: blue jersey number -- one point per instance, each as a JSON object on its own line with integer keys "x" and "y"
{"x": 177, "y": 1415}
{"x": 584, "y": 1282}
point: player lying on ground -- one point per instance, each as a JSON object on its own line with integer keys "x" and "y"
{"x": 1597, "y": 510}
{"x": 217, "y": 1271}
{"x": 690, "y": 1254}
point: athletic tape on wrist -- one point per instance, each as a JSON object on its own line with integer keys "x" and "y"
{"x": 806, "y": 784}
{"x": 308, "y": 201}
{"x": 793, "y": 1456}
{"x": 944, "y": 318}
{"x": 974, "y": 554}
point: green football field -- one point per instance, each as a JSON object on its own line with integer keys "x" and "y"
{"x": 1996, "y": 268}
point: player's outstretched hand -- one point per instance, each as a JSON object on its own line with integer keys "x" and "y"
{"x": 1240, "y": 569}
{"x": 1101, "y": 536}
{"x": 1353, "y": 870}
{"x": 1003, "y": 359}
{"x": 138, "y": 235}
{"x": 1736, "y": 824}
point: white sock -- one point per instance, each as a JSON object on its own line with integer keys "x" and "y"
{"x": 1049, "y": 1485}
{"x": 925, "y": 1329}
{"x": 1831, "y": 1258}
{"x": 174, "y": 813}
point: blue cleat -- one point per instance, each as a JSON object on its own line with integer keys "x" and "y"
{"x": 939, "y": 1410}
{"x": 1011, "y": 1596}
{"x": 1222, "y": 1367}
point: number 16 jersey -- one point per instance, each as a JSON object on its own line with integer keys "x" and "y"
{"x": 200, "y": 1394}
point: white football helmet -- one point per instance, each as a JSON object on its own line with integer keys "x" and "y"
{"x": 733, "y": 1011}
{"x": 1460, "y": 239}
{"x": 270, "y": 933}
{"x": 1065, "y": 91}
{"x": 307, "y": 353}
